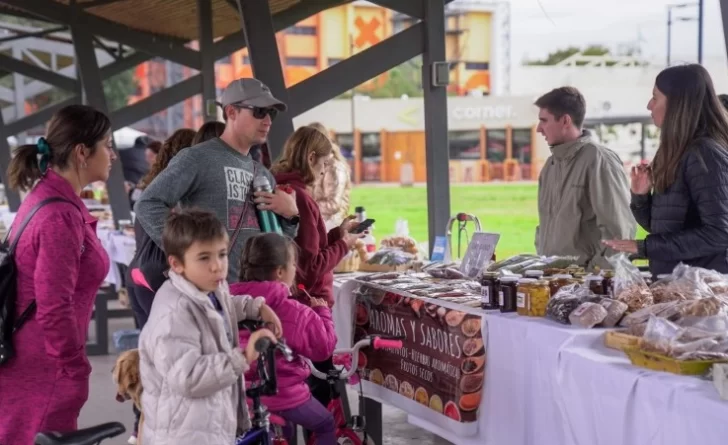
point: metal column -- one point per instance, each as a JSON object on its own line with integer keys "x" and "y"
{"x": 436, "y": 138}
{"x": 207, "y": 60}
{"x": 13, "y": 197}
{"x": 94, "y": 94}
{"x": 265, "y": 59}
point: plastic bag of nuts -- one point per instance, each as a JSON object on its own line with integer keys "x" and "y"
{"x": 629, "y": 286}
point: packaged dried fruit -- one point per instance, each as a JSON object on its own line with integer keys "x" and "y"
{"x": 588, "y": 315}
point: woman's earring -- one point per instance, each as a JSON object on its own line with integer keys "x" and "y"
{"x": 84, "y": 165}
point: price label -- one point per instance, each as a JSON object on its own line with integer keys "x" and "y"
{"x": 485, "y": 294}
{"x": 521, "y": 300}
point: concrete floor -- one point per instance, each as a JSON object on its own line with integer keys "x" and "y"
{"x": 103, "y": 407}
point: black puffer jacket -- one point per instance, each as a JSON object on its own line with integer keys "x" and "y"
{"x": 688, "y": 222}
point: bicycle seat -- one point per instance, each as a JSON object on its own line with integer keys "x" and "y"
{"x": 86, "y": 436}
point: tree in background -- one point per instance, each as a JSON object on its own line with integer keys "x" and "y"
{"x": 560, "y": 55}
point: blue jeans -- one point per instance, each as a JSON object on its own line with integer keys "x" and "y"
{"x": 312, "y": 416}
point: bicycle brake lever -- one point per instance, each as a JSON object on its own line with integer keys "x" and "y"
{"x": 285, "y": 350}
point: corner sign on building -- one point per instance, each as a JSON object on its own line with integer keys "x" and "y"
{"x": 409, "y": 116}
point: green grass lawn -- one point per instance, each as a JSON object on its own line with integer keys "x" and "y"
{"x": 508, "y": 209}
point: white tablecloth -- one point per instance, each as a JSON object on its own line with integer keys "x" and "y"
{"x": 120, "y": 248}
{"x": 549, "y": 384}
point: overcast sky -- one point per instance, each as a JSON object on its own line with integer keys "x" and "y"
{"x": 539, "y": 29}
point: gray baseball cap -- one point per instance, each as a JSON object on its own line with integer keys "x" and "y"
{"x": 252, "y": 92}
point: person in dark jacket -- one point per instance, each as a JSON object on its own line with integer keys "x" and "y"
{"x": 303, "y": 162}
{"x": 681, "y": 198}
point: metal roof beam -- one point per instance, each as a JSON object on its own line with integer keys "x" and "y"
{"x": 157, "y": 102}
{"x": 166, "y": 47}
{"x": 284, "y": 19}
{"x": 26, "y": 69}
{"x": 355, "y": 70}
{"x": 412, "y": 8}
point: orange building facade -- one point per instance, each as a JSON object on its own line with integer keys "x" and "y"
{"x": 322, "y": 40}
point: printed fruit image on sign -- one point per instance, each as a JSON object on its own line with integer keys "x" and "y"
{"x": 442, "y": 363}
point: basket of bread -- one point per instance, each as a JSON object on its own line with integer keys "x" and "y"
{"x": 352, "y": 261}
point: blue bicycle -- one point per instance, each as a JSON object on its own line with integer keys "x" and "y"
{"x": 262, "y": 420}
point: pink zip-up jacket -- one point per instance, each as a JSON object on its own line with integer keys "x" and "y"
{"x": 61, "y": 265}
{"x": 309, "y": 332}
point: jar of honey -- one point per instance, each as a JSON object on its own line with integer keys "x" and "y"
{"x": 595, "y": 284}
{"x": 558, "y": 282}
{"x": 535, "y": 274}
{"x": 524, "y": 287}
{"x": 489, "y": 288}
{"x": 507, "y": 294}
{"x": 538, "y": 297}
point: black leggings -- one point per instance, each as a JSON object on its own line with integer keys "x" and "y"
{"x": 320, "y": 389}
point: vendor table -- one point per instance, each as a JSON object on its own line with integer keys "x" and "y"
{"x": 553, "y": 384}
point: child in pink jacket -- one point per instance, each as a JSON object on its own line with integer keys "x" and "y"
{"x": 268, "y": 269}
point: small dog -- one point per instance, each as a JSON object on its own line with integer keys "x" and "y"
{"x": 129, "y": 382}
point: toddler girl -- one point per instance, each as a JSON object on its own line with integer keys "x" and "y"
{"x": 268, "y": 268}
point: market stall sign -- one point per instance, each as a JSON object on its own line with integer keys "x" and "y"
{"x": 442, "y": 363}
{"x": 479, "y": 254}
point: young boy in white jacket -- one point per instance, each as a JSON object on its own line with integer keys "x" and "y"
{"x": 190, "y": 360}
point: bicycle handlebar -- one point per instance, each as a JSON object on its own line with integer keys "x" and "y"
{"x": 377, "y": 342}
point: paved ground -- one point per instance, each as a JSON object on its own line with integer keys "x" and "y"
{"x": 103, "y": 407}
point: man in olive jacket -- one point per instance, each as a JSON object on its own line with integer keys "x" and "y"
{"x": 583, "y": 192}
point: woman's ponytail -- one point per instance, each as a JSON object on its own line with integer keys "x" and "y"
{"x": 24, "y": 171}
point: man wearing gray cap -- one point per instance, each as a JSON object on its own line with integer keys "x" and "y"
{"x": 217, "y": 174}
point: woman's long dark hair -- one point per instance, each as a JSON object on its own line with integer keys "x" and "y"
{"x": 179, "y": 140}
{"x": 693, "y": 111}
{"x": 207, "y": 131}
{"x": 69, "y": 127}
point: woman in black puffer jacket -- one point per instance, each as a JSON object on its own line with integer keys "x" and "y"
{"x": 681, "y": 199}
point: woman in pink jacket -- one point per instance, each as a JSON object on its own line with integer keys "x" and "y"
{"x": 61, "y": 265}
{"x": 268, "y": 269}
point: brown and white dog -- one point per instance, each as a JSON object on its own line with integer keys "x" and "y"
{"x": 129, "y": 383}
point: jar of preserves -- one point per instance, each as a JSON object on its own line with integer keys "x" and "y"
{"x": 507, "y": 293}
{"x": 524, "y": 287}
{"x": 608, "y": 283}
{"x": 535, "y": 274}
{"x": 596, "y": 284}
{"x": 558, "y": 282}
{"x": 538, "y": 298}
{"x": 489, "y": 287}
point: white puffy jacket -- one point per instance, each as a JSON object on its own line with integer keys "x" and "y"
{"x": 191, "y": 372}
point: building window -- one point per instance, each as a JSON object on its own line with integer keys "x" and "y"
{"x": 495, "y": 145}
{"x": 371, "y": 147}
{"x": 301, "y": 61}
{"x": 522, "y": 145}
{"x": 464, "y": 145}
{"x": 346, "y": 144}
{"x": 246, "y": 60}
{"x": 334, "y": 60}
{"x": 302, "y": 30}
{"x": 477, "y": 66}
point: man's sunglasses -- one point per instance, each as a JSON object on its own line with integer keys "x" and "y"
{"x": 259, "y": 112}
